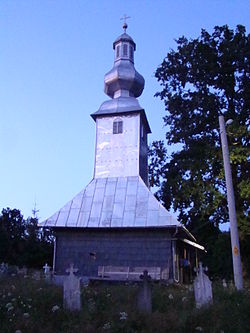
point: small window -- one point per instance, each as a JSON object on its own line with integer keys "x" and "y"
{"x": 117, "y": 127}
{"x": 125, "y": 50}
{"x": 92, "y": 255}
{"x": 118, "y": 51}
{"x": 131, "y": 53}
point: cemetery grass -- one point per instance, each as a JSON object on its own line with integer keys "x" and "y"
{"x": 36, "y": 306}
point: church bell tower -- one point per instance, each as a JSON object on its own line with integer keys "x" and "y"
{"x": 121, "y": 123}
{"x": 118, "y": 195}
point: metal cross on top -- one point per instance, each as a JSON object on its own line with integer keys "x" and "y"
{"x": 124, "y": 18}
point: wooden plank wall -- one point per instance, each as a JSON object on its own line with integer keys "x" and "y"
{"x": 89, "y": 249}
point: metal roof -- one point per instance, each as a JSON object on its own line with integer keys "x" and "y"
{"x": 125, "y": 37}
{"x": 118, "y": 105}
{"x": 113, "y": 202}
{"x": 116, "y": 110}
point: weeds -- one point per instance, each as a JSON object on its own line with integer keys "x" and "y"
{"x": 27, "y": 305}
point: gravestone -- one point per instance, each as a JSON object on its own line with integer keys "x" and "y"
{"x": 47, "y": 273}
{"x": 36, "y": 275}
{"x": 165, "y": 273}
{"x": 22, "y": 271}
{"x": 202, "y": 288}
{"x": 3, "y": 268}
{"x": 71, "y": 290}
{"x": 144, "y": 297}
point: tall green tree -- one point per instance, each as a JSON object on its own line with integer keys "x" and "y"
{"x": 201, "y": 79}
{"x": 23, "y": 243}
{"x": 12, "y": 236}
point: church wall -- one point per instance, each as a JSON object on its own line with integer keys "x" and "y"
{"x": 89, "y": 249}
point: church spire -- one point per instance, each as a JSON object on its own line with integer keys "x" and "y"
{"x": 121, "y": 123}
{"x": 122, "y": 83}
{"x": 123, "y": 79}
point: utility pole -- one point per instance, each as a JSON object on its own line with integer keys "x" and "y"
{"x": 238, "y": 280}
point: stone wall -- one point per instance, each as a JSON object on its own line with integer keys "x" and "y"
{"x": 88, "y": 249}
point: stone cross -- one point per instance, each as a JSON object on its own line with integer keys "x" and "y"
{"x": 71, "y": 270}
{"x": 47, "y": 274}
{"x": 202, "y": 288}
{"x": 22, "y": 271}
{"x": 71, "y": 290}
{"x": 46, "y": 269}
{"x": 144, "y": 297}
{"x": 36, "y": 275}
{"x": 3, "y": 268}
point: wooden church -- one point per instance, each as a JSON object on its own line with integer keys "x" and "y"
{"x": 115, "y": 228}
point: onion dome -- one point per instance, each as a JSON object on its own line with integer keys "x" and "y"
{"x": 122, "y": 83}
{"x": 123, "y": 79}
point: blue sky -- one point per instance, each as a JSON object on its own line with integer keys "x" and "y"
{"x": 53, "y": 57}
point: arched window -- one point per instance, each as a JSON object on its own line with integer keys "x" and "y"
{"x": 118, "y": 51}
{"x": 131, "y": 53}
{"x": 125, "y": 50}
{"x": 117, "y": 126}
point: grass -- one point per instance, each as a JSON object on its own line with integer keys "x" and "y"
{"x": 36, "y": 306}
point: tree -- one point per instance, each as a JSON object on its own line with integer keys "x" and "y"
{"x": 12, "y": 236}
{"x": 203, "y": 78}
{"x": 39, "y": 244}
{"x": 23, "y": 243}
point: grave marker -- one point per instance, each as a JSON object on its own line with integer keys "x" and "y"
{"x": 144, "y": 298}
{"x": 71, "y": 290}
{"x": 47, "y": 272}
{"x": 22, "y": 271}
{"x": 3, "y": 268}
{"x": 202, "y": 288}
{"x": 36, "y": 275}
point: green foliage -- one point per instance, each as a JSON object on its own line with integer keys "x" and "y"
{"x": 23, "y": 243}
{"x": 218, "y": 257}
{"x": 112, "y": 309}
{"x": 12, "y": 234}
{"x": 203, "y": 78}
